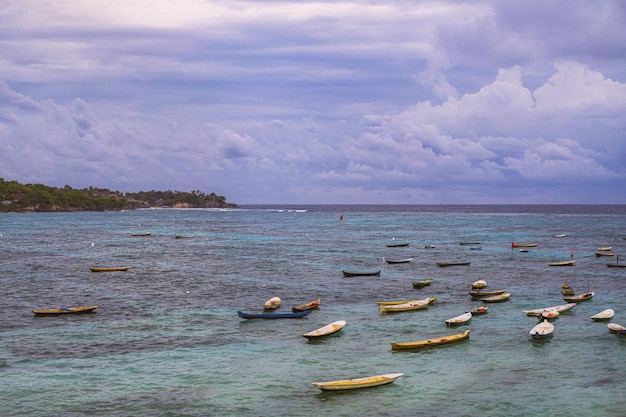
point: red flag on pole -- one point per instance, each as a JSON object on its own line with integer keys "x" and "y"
{"x": 341, "y": 217}
{"x": 512, "y": 245}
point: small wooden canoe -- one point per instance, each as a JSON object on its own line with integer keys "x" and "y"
{"x": 64, "y": 310}
{"x": 141, "y": 234}
{"x": 327, "y": 330}
{"x": 560, "y": 308}
{"x": 109, "y": 269}
{"x": 605, "y": 249}
{"x": 183, "y": 236}
{"x": 371, "y": 273}
{"x": 357, "y": 383}
{"x": 541, "y": 330}
{"x": 446, "y": 264}
{"x": 398, "y": 261}
{"x": 616, "y": 265}
{"x": 549, "y": 315}
{"x": 437, "y": 341}
{"x": 603, "y": 315}
{"x": 599, "y": 254}
{"x": 458, "y": 320}
{"x": 482, "y": 294}
{"x": 423, "y": 283}
{"x": 564, "y": 263}
{"x": 272, "y": 303}
{"x": 616, "y": 328}
{"x": 561, "y": 235}
{"x": 481, "y": 283}
{"x": 468, "y": 243}
{"x": 431, "y": 300}
{"x": 397, "y": 244}
{"x": 307, "y": 306}
{"x": 297, "y": 315}
{"x": 496, "y": 298}
{"x": 429, "y": 246}
{"x": 524, "y": 245}
{"x": 410, "y": 306}
{"x": 479, "y": 310}
{"x": 580, "y": 297}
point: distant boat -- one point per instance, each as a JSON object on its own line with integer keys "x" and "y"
{"x": 431, "y": 300}
{"x": 370, "y": 273}
{"x": 549, "y": 315}
{"x": 398, "y": 261}
{"x": 616, "y": 264}
{"x": 560, "y": 308}
{"x": 605, "y": 249}
{"x": 183, "y": 236}
{"x": 307, "y": 306}
{"x": 542, "y": 330}
{"x": 429, "y": 246}
{"x": 496, "y": 298}
{"x": 482, "y": 294}
{"x": 422, "y": 283}
{"x": 524, "y": 245}
{"x": 55, "y": 311}
{"x": 458, "y": 320}
{"x": 561, "y": 235}
{"x": 109, "y": 269}
{"x": 479, "y": 310}
{"x": 437, "y": 341}
{"x": 446, "y": 264}
{"x": 599, "y": 254}
{"x": 603, "y": 315}
{"x": 409, "y": 306}
{"x": 567, "y": 290}
{"x": 616, "y": 328}
{"x": 397, "y": 244}
{"x": 481, "y": 283}
{"x": 564, "y": 263}
{"x": 141, "y": 234}
{"x": 357, "y": 383}
{"x": 272, "y": 303}
{"x": 469, "y": 243}
{"x": 581, "y": 297}
{"x": 299, "y": 314}
{"x": 476, "y": 248}
{"x": 326, "y": 330}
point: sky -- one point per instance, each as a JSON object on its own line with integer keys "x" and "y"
{"x": 325, "y": 102}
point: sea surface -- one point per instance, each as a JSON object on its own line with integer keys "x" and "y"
{"x": 166, "y": 339}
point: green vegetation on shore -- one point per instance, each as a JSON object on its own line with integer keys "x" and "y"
{"x": 38, "y": 197}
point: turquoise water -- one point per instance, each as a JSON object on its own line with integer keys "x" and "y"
{"x": 167, "y": 341}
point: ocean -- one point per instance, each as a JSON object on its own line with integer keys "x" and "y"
{"x": 166, "y": 339}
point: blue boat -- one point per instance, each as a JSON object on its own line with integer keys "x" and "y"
{"x": 273, "y": 315}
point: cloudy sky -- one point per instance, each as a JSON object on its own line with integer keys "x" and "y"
{"x": 363, "y": 101}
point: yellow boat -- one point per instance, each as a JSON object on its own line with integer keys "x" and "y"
{"x": 64, "y": 310}
{"x": 356, "y": 383}
{"x": 109, "y": 269}
{"x": 564, "y": 263}
{"x": 391, "y": 303}
{"x": 443, "y": 340}
{"x": 524, "y": 245}
{"x": 410, "y": 306}
{"x": 605, "y": 249}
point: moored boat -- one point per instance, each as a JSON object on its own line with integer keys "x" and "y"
{"x": 481, "y": 283}
{"x": 398, "y": 261}
{"x": 183, "y": 236}
{"x": 109, "y": 269}
{"x": 603, "y": 315}
{"x": 55, "y": 311}
{"x": 326, "y": 330}
{"x": 564, "y": 263}
{"x": 616, "y": 328}
{"x": 580, "y": 297}
{"x": 357, "y": 383}
{"x": 482, "y": 294}
{"x": 296, "y": 315}
{"x": 272, "y": 303}
{"x": 141, "y": 234}
{"x": 446, "y": 264}
{"x": 567, "y": 290}
{"x": 397, "y": 244}
{"x": 496, "y": 298}
{"x": 560, "y": 308}
{"x": 410, "y": 306}
{"x": 605, "y": 248}
{"x": 422, "y": 283}
{"x": 436, "y": 341}
{"x": 458, "y": 320}
{"x": 431, "y": 300}
{"x": 524, "y": 245}
{"x": 600, "y": 254}
{"x": 548, "y": 315}
{"x": 307, "y": 306}
{"x": 479, "y": 310}
{"x": 368, "y": 273}
{"x": 542, "y": 330}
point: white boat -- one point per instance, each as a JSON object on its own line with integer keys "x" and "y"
{"x": 561, "y": 309}
{"x": 580, "y": 297}
{"x": 272, "y": 303}
{"x": 481, "y": 283}
{"x": 366, "y": 382}
{"x": 327, "y": 330}
{"x": 614, "y": 327}
{"x": 549, "y": 314}
{"x": 541, "y": 330}
{"x": 496, "y": 298}
{"x": 398, "y": 261}
{"x": 603, "y": 315}
{"x": 458, "y": 320}
{"x": 410, "y": 306}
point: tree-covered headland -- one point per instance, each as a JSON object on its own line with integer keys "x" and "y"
{"x": 38, "y": 197}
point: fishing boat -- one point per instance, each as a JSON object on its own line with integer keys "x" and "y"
{"x": 564, "y": 263}
{"x": 560, "y": 235}
{"x": 616, "y": 328}
{"x": 141, "y": 234}
{"x": 272, "y": 303}
{"x": 476, "y": 248}
{"x": 481, "y": 283}
{"x": 580, "y": 297}
{"x": 548, "y": 315}
{"x": 398, "y": 261}
{"x": 500, "y": 298}
{"x": 183, "y": 236}
{"x": 422, "y": 283}
{"x": 431, "y": 300}
{"x": 370, "y": 273}
{"x": 429, "y": 246}
{"x": 437, "y": 341}
{"x": 479, "y": 310}
{"x": 357, "y": 383}
{"x": 560, "y": 308}
{"x": 616, "y": 264}
{"x": 603, "y": 315}
{"x": 109, "y": 269}
{"x": 55, "y": 311}
{"x": 307, "y": 306}
{"x": 469, "y": 243}
{"x": 605, "y": 248}
{"x": 410, "y": 306}
{"x": 600, "y": 254}
{"x": 446, "y": 264}
{"x": 458, "y": 320}
{"x": 397, "y": 244}
{"x": 327, "y": 330}
{"x": 296, "y": 315}
{"x": 567, "y": 290}
{"x": 524, "y": 245}
{"x": 541, "y": 330}
{"x": 482, "y": 294}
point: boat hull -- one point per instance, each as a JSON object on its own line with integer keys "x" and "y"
{"x": 375, "y": 273}
{"x": 357, "y": 383}
{"x": 438, "y": 341}
{"x": 64, "y": 310}
{"x": 249, "y": 316}
{"x": 329, "y": 329}
{"x": 109, "y": 269}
